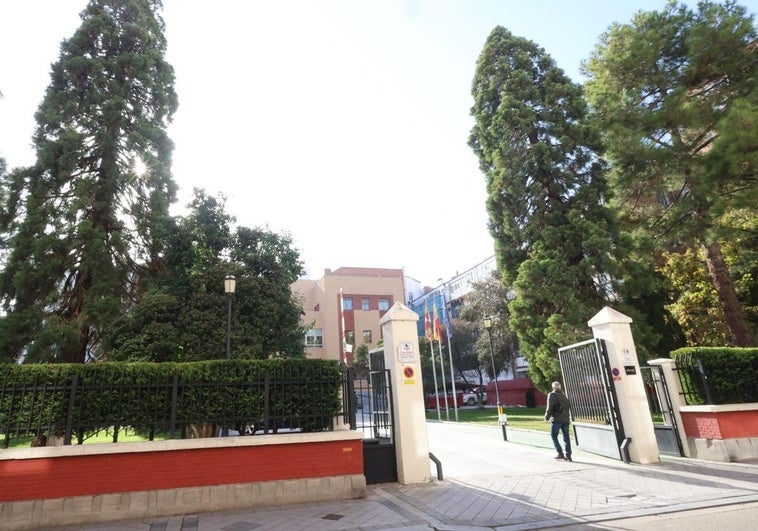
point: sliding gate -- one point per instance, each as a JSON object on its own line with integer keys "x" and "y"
{"x": 588, "y": 382}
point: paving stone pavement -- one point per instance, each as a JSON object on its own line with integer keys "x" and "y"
{"x": 491, "y": 483}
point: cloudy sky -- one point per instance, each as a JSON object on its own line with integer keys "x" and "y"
{"x": 341, "y": 123}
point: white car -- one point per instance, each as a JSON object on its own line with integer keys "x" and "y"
{"x": 471, "y": 398}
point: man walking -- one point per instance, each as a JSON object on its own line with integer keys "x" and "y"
{"x": 558, "y": 410}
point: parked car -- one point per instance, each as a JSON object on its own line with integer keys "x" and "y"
{"x": 468, "y": 397}
{"x": 473, "y": 396}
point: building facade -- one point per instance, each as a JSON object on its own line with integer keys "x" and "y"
{"x": 342, "y": 309}
{"x": 450, "y": 296}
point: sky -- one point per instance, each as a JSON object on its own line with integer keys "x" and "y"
{"x": 343, "y": 124}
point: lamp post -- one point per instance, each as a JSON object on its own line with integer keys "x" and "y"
{"x": 500, "y": 416}
{"x": 230, "y": 286}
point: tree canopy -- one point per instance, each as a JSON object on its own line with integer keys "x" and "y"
{"x": 675, "y": 95}
{"x": 182, "y": 316}
{"x": 93, "y": 265}
{"x": 554, "y": 238}
{"x": 82, "y": 224}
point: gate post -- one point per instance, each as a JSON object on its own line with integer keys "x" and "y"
{"x": 614, "y": 327}
{"x": 402, "y": 358}
{"x": 675, "y": 395}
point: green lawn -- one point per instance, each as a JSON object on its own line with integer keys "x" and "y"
{"x": 100, "y": 438}
{"x": 526, "y": 418}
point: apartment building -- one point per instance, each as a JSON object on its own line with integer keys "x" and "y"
{"x": 342, "y": 309}
{"x": 451, "y": 295}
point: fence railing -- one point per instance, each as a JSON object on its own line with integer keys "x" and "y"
{"x": 707, "y": 385}
{"x": 68, "y": 408}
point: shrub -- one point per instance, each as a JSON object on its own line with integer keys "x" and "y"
{"x": 730, "y": 374}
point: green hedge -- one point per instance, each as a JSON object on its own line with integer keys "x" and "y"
{"x": 732, "y": 374}
{"x": 36, "y": 398}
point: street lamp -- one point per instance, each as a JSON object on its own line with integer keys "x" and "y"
{"x": 488, "y": 327}
{"x": 230, "y": 285}
{"x": 501, "y": 417}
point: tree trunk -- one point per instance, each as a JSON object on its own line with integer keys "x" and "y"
{"x": 739, "y": 329}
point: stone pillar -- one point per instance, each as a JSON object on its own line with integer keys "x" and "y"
{"x": 614, "y": 327}
{"x": 668, "y": 366}
{"x": 402, "y": 358}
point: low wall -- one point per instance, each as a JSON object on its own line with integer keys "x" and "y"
{"x": 721, "y": 433}
{"x": 513, "y": 392}
{"x": 65, "y": 485}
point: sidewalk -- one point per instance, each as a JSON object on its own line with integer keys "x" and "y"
{"x": 490, "y": 483}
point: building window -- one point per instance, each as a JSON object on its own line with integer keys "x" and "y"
{"x": 367, "y": 336}
{"x": 347, "y": 303}
{"x": 365, "y": 305}
{"x": 314, "y": 338}
{"x": 384, "y": 304}
{"x": 350, "y": 337}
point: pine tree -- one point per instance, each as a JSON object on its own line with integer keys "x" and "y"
{"x": 84, "y": 223}
{"x": 554, "y": 237}
{"x": 675, "y": 93}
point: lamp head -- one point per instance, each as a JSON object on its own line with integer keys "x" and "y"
{"x": 230, "y": 284}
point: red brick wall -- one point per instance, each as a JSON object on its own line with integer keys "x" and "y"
{"x": 720, "y": 425}
{"x": 63, "y": 476}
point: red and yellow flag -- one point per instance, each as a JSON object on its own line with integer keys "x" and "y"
{"x": 427, "y": 321}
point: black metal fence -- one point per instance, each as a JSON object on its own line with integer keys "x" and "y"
{"x": 370, "y": 407}
{"x": 709, "y": 382}
{"x": 58, "y": 407}
{"x": 584, "y": 383}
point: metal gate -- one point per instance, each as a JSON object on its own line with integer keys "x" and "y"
{"x": 662, "y": 412}
{"x": 588, "y": 383}
{"x": 371, "y": 412}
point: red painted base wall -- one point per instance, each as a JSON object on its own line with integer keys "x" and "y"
{"x": 64, "y": 476}
{"x": 513, "y": 392}
{"x": 720, "y": 425}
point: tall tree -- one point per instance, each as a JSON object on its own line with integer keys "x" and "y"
{"x": 489, "y": 298}
{"x": 554, "y": 238}
{"x": 675, "y": 93}
{"x": 463, "y": 339}
{"x": 83, "y": 224}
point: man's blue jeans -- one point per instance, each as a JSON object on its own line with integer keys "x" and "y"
{"x": 563, "y": 427}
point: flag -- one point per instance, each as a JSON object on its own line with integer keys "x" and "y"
{"x": 448, "y": 328}
{"x": 342, "y": 323}
{"x": 427, "y": 322}
{"x": 437, "y": 327}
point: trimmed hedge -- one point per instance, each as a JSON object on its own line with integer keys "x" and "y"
{"x": 304, "y": 394}
{"x": 731, "y": 374}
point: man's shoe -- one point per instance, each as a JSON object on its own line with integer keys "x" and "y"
{"x": 559, "y": 456}
{"x": 568, "y": 457}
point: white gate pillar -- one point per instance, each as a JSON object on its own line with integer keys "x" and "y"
{"x": 675, "y": 394}
{"x": 614, "y": 327}
{"x": 402, "y": 358}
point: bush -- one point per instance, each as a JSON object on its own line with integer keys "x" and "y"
{"x": 150, "y": 397}
{"x": 731, "y": 374}
{"x": 530, "y": 400}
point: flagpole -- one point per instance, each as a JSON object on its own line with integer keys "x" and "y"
{"x": 449, "y": 350}
{"x": 430, "y": 336}
{"x": 438, "y": 335}
{"x": 342, "y": 323}
{"x": 444, "y": 384}
{"x": 436, "y": 389}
